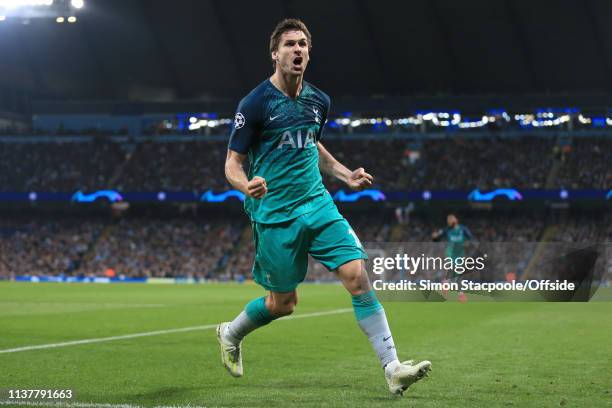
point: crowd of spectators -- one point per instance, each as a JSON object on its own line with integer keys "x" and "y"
{"x": 587, "y": 164}
{"x": 486, "y": 163}
{"x": 44, "y": 246}
{"x": 220, "y": 247}
{"x": 585, "y": 228}
{"x": 58, "y": 166}
{"x": 163, "y": 248}
{"x": 131, "y": 247}
{"x": 455, "y": 163}
{"x": 498, "y": 228}
{"x": 175, "y": 166}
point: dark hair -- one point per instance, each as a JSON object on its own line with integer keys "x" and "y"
{"x": 288, "y": 24}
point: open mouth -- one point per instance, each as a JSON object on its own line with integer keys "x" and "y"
{"x": 298, "y": 60}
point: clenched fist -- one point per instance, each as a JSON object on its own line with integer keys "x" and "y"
{"x": 257, "y": 187}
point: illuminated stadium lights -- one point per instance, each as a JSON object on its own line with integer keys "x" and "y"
{"x": 409, "y": 121}
{"x": 196, "y": 124}
{"x": 449, "y": 120}
{"x": 444, "y": 123}
{"x": 2, "y": 18}
{"x": 476, "y": 124}
{"x": 555, "y": 122}
{"x": 77, "y": 4}
{"x": 541, "y": 119}
{"x": 13, "y": 4}
{"x": 343, "y": 121}
{"x": 441, "y": 119}
{"x": 31, "y": 11}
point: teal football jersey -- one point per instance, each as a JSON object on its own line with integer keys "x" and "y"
{"x": 456, "y": 237}
{"x": 280, "y": 136}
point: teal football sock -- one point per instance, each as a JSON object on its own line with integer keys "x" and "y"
{"x": 255, "y": 315}
{"x": 373, "y": 322}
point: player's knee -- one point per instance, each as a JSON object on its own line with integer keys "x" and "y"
{"x": 354, "y": 277}
{"x": 357, "y": 286}
{"x": 357, "y": 283}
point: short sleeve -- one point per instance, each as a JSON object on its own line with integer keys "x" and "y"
{"x": 445, "y": 232}
{"x": 246, "y": 127}
{"x": 467, "y": 233}
{"x": 327, "y": 102}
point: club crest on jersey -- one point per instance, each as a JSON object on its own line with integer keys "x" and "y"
{"x": 239, "y": 120}
{"x": 316, "y": 115}
{"x": 297, "y": 141}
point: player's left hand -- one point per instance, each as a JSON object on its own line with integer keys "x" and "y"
{"x": 360, "y": 180}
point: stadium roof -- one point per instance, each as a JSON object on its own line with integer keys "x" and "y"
{"x": 194, "y": 49}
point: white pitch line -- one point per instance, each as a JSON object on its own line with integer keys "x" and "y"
{"x": 154, "y": 333}
{"x": 66, "y": 404}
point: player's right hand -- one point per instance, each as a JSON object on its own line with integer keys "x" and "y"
{"x": 257, "y": 187}
{"x": 436, "y": 234}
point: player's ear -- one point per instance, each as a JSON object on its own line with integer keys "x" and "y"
{"x": 275, "y": 56}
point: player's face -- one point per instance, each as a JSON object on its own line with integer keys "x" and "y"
{"x": 292, "y": 54}
{"x": 451, "y": 220}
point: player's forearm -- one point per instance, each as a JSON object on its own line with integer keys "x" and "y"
{"x": 332, "y": 167}
{"x": 335, "y": 169}
{"x": 234, "y": 173}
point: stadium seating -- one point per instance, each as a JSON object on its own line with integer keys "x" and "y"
{"x": 220, "y": 247}
{"x": 397, "y": 164}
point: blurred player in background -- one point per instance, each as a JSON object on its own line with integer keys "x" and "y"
{"x": 278, "y": 126}
{"x": 456, "y": 235}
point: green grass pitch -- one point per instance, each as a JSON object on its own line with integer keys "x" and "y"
{"x": 484, "y": 354}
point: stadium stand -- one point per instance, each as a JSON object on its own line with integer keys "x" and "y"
{"x": 220, "y": 247}
{"x": 402, "y": 164}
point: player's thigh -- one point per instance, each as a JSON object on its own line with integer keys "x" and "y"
{"x": 281, "y": 255}
{"x": 333, "y": 242}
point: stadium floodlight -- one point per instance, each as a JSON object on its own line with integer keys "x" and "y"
{"x": 72, "y": 19}
{"x": 2, "y": 18}
{"x": 59, "y": 20}
{"x": 13, "y": 4}
{"x": 77, "y": 4}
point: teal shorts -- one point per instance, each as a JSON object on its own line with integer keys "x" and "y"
{"x": 281, "y": 250}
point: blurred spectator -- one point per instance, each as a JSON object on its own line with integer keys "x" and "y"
{"x": 588, "y": 164}
{"x": 455, "y": 163}
{"x": 67, "y": 166}
{"x": 221, "y": 247}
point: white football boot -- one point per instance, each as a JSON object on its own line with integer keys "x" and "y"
{"x": 231, "y": 355}
{"x": 400, "y": 376}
